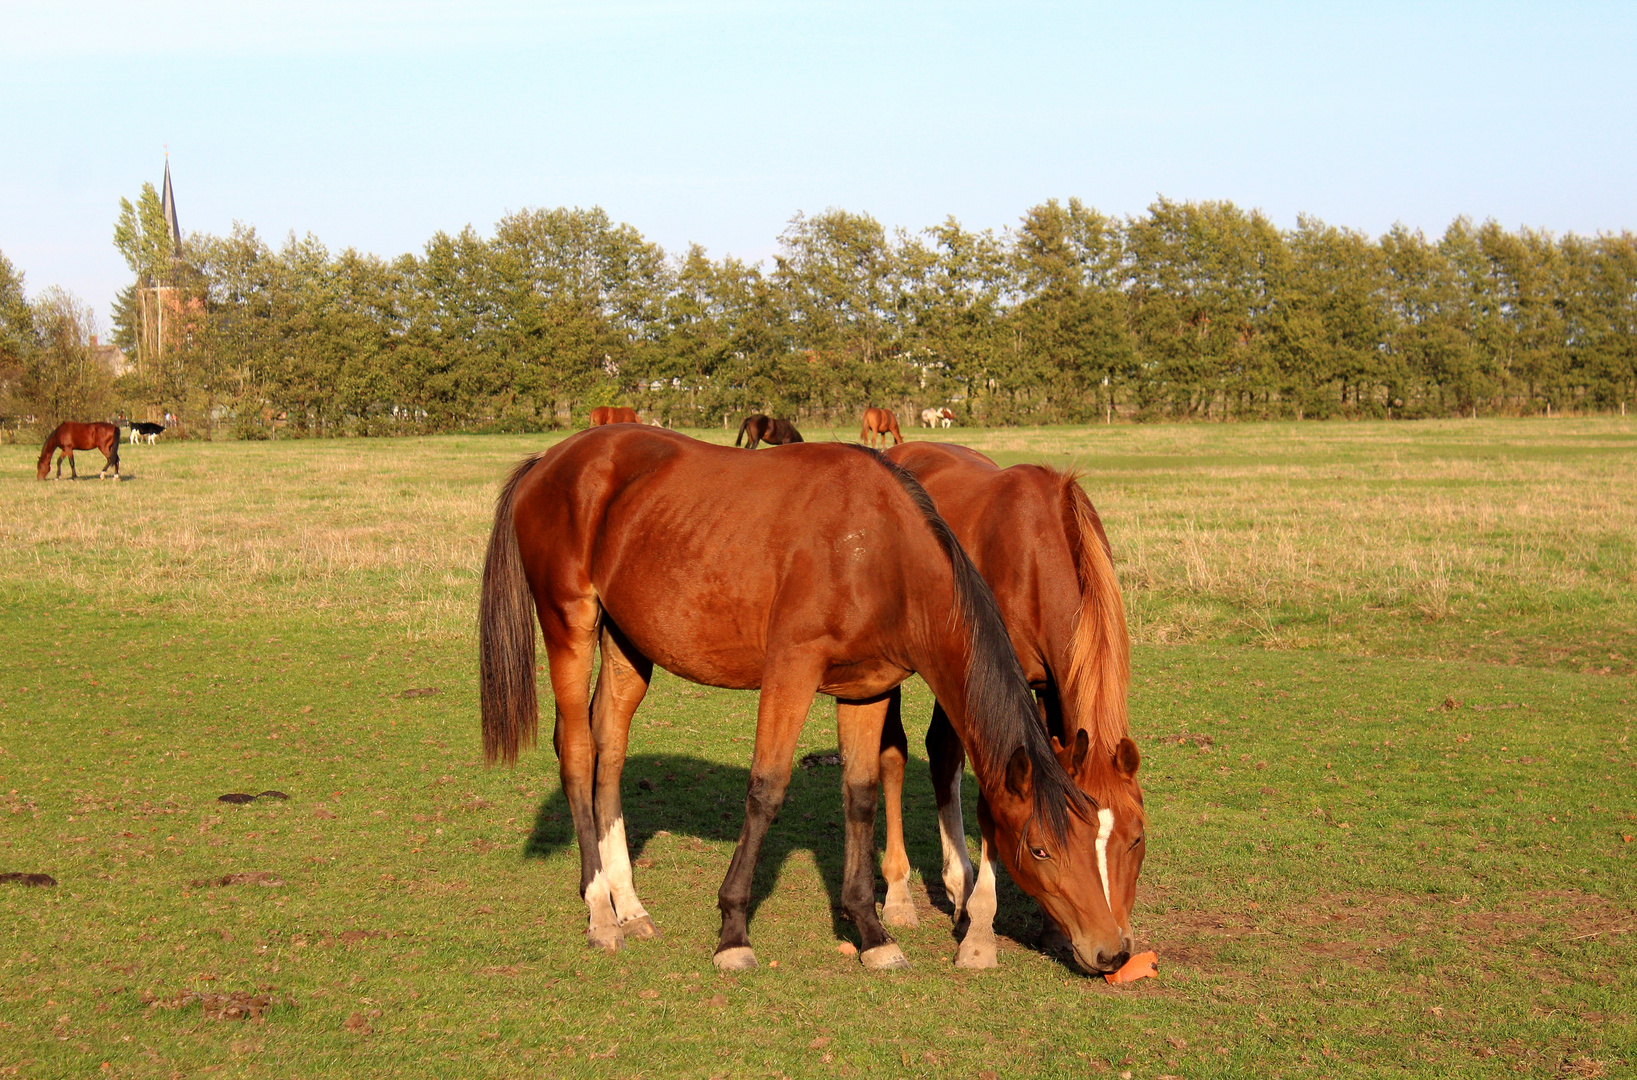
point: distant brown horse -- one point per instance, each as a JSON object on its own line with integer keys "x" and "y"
{"x": 606, "y": 539}
{"x": 613, "y": 414}
{"x": 1037, "y": 540}
{"x": 763, "y": 428}
{"x": 72, "y": 435}
{"x": 880, "y": 422}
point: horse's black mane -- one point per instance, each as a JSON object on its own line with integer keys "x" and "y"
{"x": 1000, "y": 710}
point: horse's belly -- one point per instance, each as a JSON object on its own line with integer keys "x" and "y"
{"x": 702, "y": 646}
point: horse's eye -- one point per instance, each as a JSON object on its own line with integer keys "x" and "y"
{"x": 1040, "y": 853}
{"x": 1134, "y": 843}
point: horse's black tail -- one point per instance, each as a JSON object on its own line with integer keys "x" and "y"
{"x": 743, "y": 425}
{"x": 113, "y": 458}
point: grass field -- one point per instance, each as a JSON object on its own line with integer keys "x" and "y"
{"x": 1383, "y": 685}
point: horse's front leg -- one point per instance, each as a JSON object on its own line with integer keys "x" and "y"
{"x": 859, "y": 726}
{"x": 946, "y": 760}
{"x": 899, "y": 909}
{"x": 977, "y": 948}
{"x": 787, "y": 694}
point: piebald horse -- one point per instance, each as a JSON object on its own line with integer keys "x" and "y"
{"x": 71, "y": 435}
{"x": 613, "y": 414}
{"x": 610, "y": 538}
{"x": 880, "y": 422}
{"x": 1034, "y": 535}
{"x": 762, "y": 428}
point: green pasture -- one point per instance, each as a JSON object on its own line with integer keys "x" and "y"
{"x": 1383, "y": 684}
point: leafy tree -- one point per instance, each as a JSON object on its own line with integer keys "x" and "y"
{"x": 1432, "y": 334}
{"x": 1329, "y": 325}
{"x": 1202, "y": 295}
{"x": 60, "y": 378}
{"x": 16, "y": 333}
{"x": 1072, "y": 328}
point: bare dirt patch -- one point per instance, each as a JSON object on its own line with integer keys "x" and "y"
{"x": 237, "y": 1005}
{"x": 265, "y": 878}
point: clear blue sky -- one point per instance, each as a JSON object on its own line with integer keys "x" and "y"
{"x": 375, "y": 123}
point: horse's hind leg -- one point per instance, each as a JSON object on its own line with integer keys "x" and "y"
{"x": 859, "y": 726}
{"x": 946, "y": 759}
{"x": 570, "y": 636}
{"x": 899, "y": 909}
{"x": 787, "y": 693}
{"x": 621, "y": 684}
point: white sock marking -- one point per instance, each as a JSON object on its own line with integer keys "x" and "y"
{"x": 1105, "y": 825}
{"x": 615, "y": 856}
{"x": 958, "y": 872}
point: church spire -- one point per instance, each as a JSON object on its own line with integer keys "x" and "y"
{"x": 167, "y": 204}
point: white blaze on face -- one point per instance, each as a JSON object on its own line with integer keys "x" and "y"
{"x": 1105, "y": 826}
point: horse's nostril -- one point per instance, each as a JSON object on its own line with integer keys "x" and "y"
{"x": 1119, "y": 960}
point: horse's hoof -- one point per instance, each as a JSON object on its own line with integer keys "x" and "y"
{"x": 888, "y": 957}
{"x": 739, "y": 958}
{"x": 608, "y": 939}
{"x": 899, "y": 913}
{"x": 975, "y": 955}
{"x": 641, "y": 928}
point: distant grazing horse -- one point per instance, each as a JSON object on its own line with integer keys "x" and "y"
{"x": 71, "y": 436}
{"x": 613, "y": 414}
{"x": 143, "y": 427}
{"x": 1037, "y": 540}
{"x": 762, "y": 428}
{"x": 934, "y": 417}
{"x": 880, "y": 422}
{"x": 633, "y": 539}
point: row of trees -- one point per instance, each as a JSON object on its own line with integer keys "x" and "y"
{"x": 1192, "y": 310}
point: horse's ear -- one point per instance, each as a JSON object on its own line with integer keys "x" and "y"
{"x": 1126, "y": 758}
{"x": 1018, "y": 772}
{"x": 1071, "y": 758}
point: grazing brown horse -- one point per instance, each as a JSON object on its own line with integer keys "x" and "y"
{"x": 613, "y": 414}
{"x": 880, "y": 422}
{"x": 1038, "y": 542}
{"x": 762, "y": 428}
{"x": 72, "y": 435}
{"x": 606, "y": 539}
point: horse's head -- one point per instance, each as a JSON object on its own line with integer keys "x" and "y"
{"x": 1086, "y": 880}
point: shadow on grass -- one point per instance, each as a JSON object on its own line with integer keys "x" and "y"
{"x": 692, "y": 797}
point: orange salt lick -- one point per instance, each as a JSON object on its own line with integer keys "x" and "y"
{"x": 1142, "y": 966}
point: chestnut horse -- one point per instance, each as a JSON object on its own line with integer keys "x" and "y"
{"x": 1038, "y": 542}
{"x": 71, "y": 435}
{"x": 880, "y": 422}
{"x": 613, "y": 414}
{"x": 763, "y": 428}
{"x": 606, "y": 539}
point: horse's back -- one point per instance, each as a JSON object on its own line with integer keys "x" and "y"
{"x": 1014, "y": 525}
{"x": 703, "y": 555}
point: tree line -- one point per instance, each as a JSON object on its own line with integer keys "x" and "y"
{"x": 1192, "y": 310}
